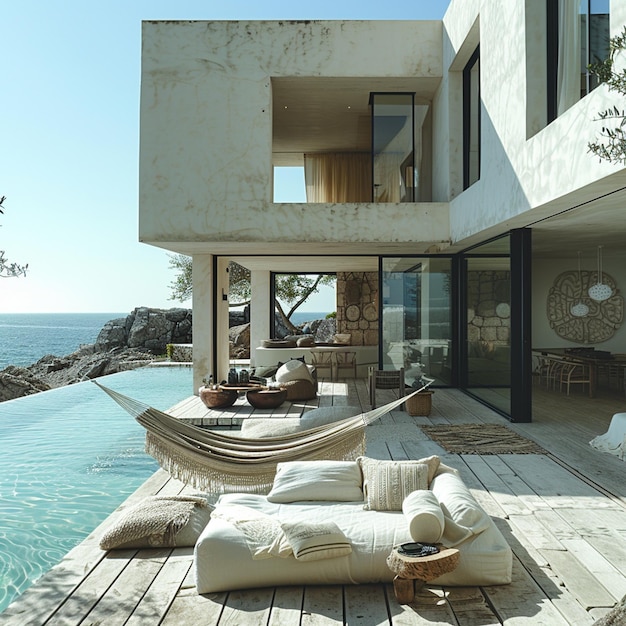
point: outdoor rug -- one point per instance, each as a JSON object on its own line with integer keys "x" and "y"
{"x": 481, "y": 439}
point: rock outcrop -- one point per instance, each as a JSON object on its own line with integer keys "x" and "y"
{"x": 146, "y": 329}
{"x": 122, "y": 344}
{"x": 52, "y": 371}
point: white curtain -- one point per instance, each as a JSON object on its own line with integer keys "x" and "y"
{"x": 338, "y": 177}
{"x": 568, "y": 72}
{"x": 389, "y": 184}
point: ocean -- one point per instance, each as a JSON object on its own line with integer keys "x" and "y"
{"x": 300, "y": 317}
{"x": 26, "y": 337}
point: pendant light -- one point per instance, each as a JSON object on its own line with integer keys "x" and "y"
{"x": 600, "y": 292}
{"x": 580, "y": 309}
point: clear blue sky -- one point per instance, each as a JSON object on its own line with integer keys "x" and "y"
{"x": 70, "y": 126}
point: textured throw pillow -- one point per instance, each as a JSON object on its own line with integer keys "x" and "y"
{"x": 424, "y": 516}
{"x": 265, "y": 372}
{"x": 159, "y": 521}
{"x": 337, "y": 481}
{"x": 312, "y": 542}
{"x": 327, "y": 415}
{"x": 387, "y": 483}
{"x": 293, "y": 370}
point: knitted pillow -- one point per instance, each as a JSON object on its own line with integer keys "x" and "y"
{"x": 159, "y": 521}
{"x": 387, "y": 483}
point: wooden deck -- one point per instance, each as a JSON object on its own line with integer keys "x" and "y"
{"x": 564, "y": 515}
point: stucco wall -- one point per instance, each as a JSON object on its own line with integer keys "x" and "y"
{"x": 206, "y": 128}
{"x": 518, "y": 174}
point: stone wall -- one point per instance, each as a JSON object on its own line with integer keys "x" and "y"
{"x": 489, "y": 311}
{"x": 357, "y": 306}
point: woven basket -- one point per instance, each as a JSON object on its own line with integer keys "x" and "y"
{"x": 420, "y": 404}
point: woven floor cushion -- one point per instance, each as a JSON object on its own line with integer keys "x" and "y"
{"x": 299, "y": 389}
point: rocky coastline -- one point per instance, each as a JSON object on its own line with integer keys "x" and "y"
{"x": 128, "y": 342}
{"x": 123, "y": 343}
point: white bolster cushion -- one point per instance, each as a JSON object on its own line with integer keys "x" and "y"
{"x": 424, "y": 516}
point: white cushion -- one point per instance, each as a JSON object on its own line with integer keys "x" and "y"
{"x": 387, "y": 483}
{"x": 312, "y": 542}
{"x": 293, "y": 370}
{"x": 424, "y": 516}
{"x": 263, "y": 427}
{"x": 296, "y": 481}
{"x": 327, "y": 415}
{"x": 463, "y": 515}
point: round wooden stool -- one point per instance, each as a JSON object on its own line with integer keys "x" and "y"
{"x": 412, "y": 572}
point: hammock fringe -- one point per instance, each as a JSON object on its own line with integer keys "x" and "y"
{"x": 220, "y": 463}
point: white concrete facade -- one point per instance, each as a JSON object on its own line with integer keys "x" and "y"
{"x": 207, "y": 116}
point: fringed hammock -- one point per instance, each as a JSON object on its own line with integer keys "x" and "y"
{"x": 220, "y": 463}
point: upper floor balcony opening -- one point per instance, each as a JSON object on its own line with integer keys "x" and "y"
{"x": 355, "y": 139}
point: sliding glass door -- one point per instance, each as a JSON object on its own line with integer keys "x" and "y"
{"x": 495, "y": 349}
{"x": 416, "y": 317}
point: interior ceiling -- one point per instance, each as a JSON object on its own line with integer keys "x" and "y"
{"x": 314, "y": 264}
{"x": 331, "y": 114}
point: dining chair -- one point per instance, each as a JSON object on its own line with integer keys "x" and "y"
{"x": 345, "y": 361}
{"x": 322, "y": 360}
{"x": 553, "y": 372}
{"x": 574, "y": 374}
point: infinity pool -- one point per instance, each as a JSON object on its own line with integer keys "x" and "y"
{"x": 68, "y": 458}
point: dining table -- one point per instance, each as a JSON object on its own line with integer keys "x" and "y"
{"x": 594, "y": 359}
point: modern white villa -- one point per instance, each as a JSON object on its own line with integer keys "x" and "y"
{"x": 449, "y": 182}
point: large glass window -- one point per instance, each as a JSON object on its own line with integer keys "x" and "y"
{"x": 416, "y": 317}
{"x": 578, "y": 35}
{"x": 471, "y": 120}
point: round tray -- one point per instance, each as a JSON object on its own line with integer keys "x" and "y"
{"x": 250, "y": 387}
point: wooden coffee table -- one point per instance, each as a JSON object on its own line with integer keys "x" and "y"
{"x": 412, "y": 572}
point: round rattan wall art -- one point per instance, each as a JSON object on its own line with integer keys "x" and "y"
{"x": 575, "y": 316}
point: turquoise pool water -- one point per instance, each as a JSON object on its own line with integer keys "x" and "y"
{"x": 68, "y": 458}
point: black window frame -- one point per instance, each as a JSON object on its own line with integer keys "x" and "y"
{"x": 467, "y": 117}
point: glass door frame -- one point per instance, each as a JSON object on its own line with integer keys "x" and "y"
{"x": 372, "y": 103}
{"x": 520, "y": 254}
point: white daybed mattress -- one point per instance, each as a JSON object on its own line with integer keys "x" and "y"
{"x": 223, "y": 559}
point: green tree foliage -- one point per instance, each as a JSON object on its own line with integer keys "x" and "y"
{"x": 292, "y": 290}
{"x": 7, "y": 269}
{"x": 612, "y": 144}
{"x": 181, "y": 285}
